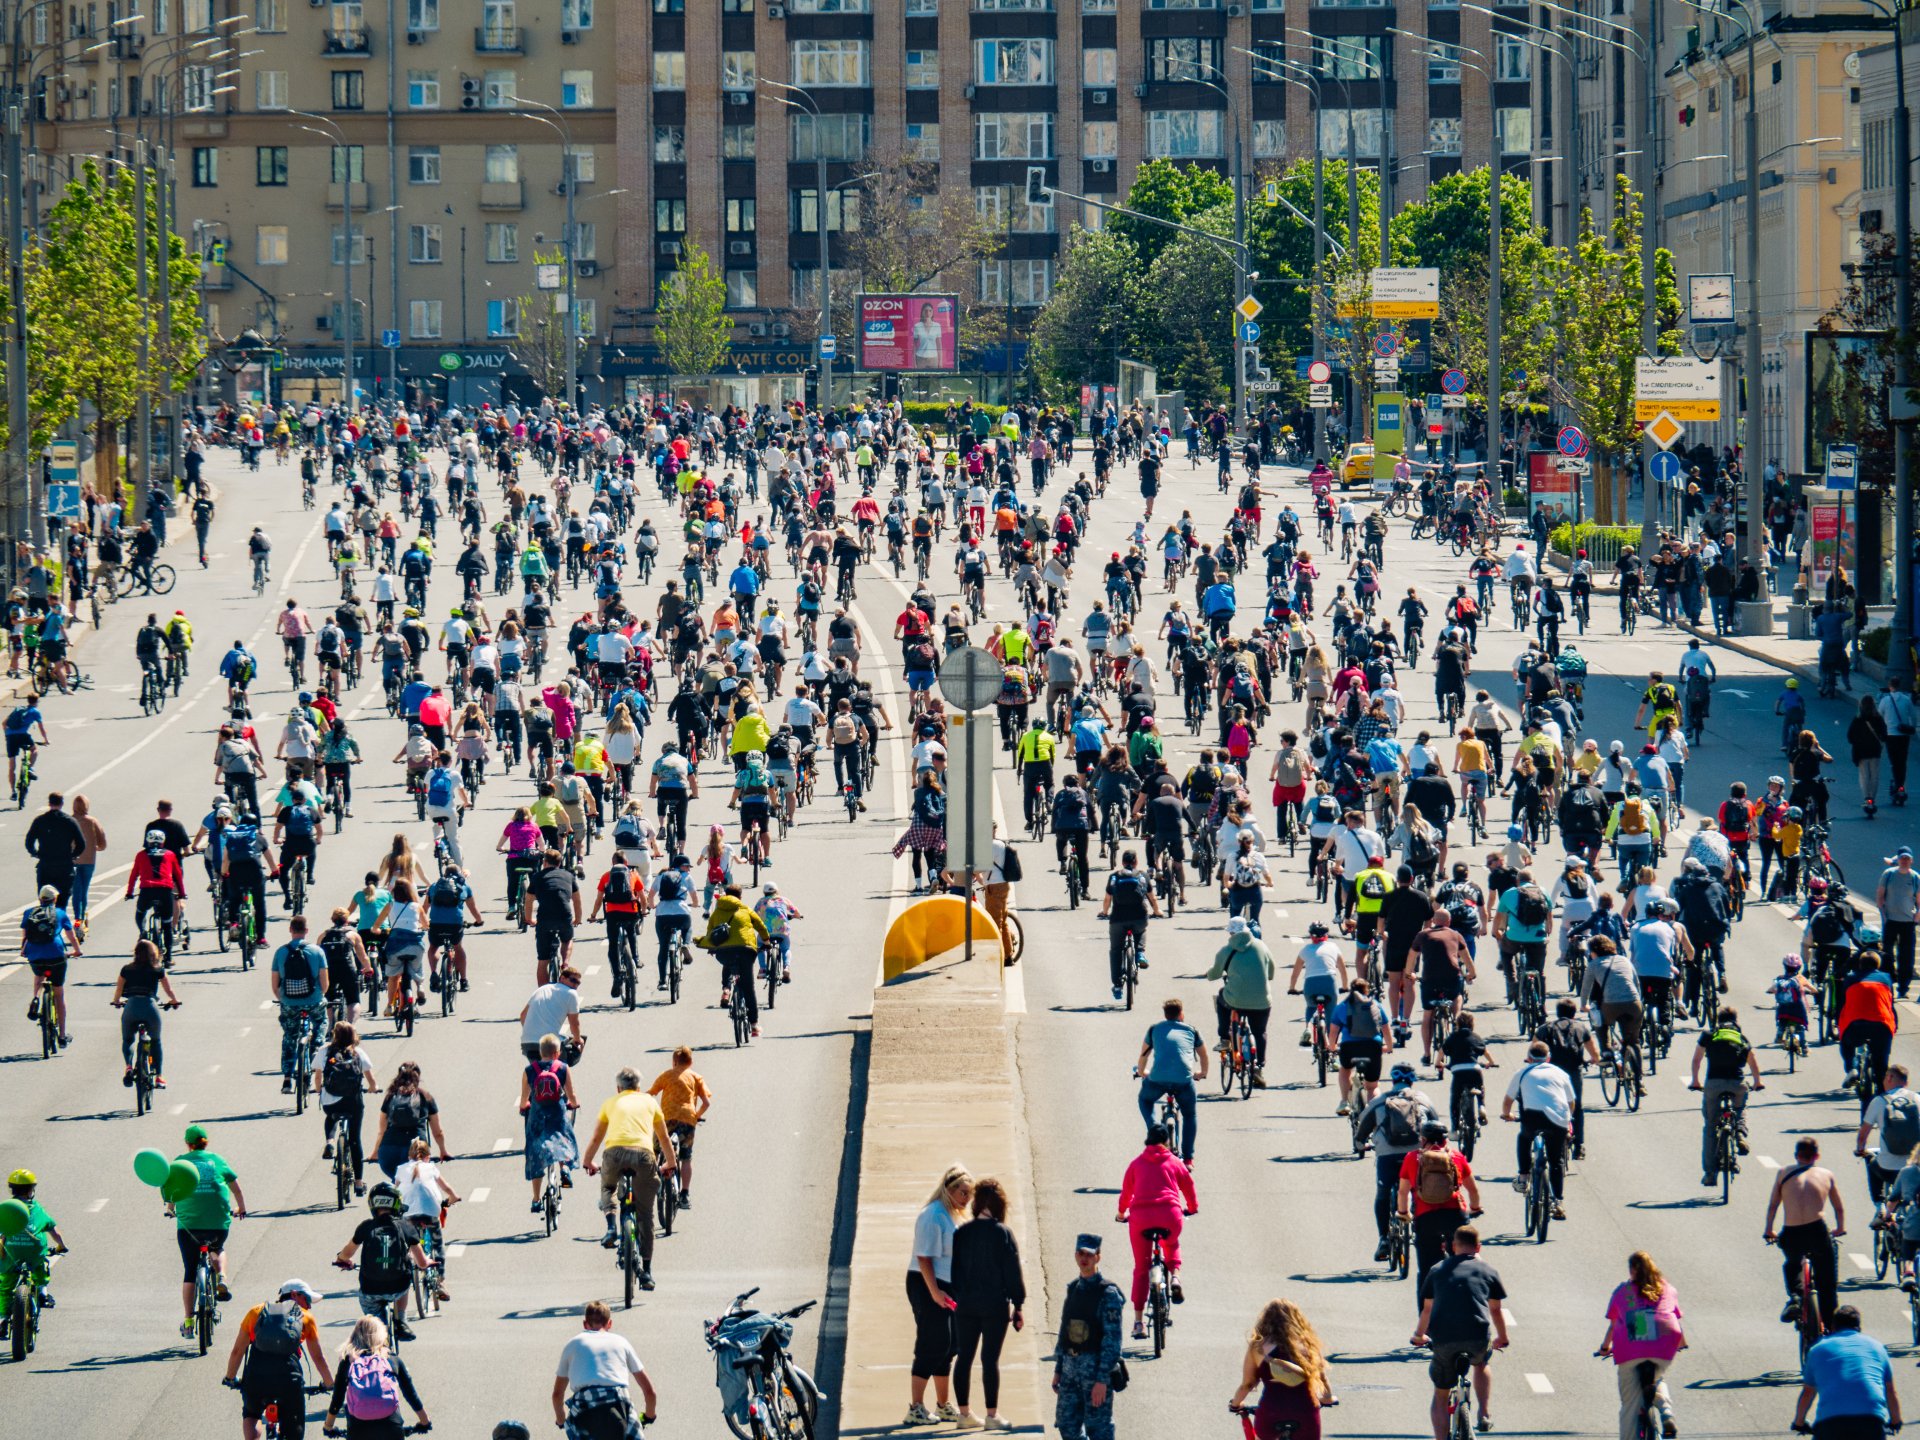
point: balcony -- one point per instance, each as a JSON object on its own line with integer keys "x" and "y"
{"x": 361, "y": 197}
{"x": 499, "y": 40}
{"x": 346, "y": 42}
{"x": 215, "y": 277}
{"x": 129, "y": 47}
{"x": 503, "y": 195}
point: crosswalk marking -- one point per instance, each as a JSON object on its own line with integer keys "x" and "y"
{"x": 503, "y": 1143}
{"x": 1768, "y": 1162}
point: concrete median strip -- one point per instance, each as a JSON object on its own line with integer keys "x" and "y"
{"x": 941, "y": 1088}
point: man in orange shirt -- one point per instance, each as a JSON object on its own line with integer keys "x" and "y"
{"x": 269, "y": 1341}
{"x": 684, "y": 1100}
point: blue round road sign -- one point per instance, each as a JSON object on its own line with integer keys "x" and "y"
{"x": 1249, "y": 332}
{"x": 1665, "y": 466}
{"x": 1454, "y": 382}
{"x": 1571, "y": 440}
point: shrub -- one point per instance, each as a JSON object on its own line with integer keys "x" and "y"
{"x": 921, "y": 413}
{"x": 1876, "y": 643}
{"x": 1565, "y": 539}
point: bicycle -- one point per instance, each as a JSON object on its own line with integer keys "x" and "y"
{"x": 51, "y": 1019}
{"x": 550, "y": 1197}
{"x": 153, "y": 691}
{"x": 1167, "y": 1115}
{"x": 1129, "y": 966}
{"x": 342, "y": 1161}
{"x": 676, "y": 964}
{"x": 1467, "y": 1124}
{"x": 1168, "y": 884}
{"x": 1076, "y": 883}
{"x": 1726, "y": 1151}
{"x": 1540, "y": 1201}
{"x": 628, "y": 1244}
{"x": 1620, "y": 1077}
{"x": 1532, "y": 1001}
{"x": 304, "y": 1040}
{"x": 624, "y": 953}
{"x": 1400, "y": 1244}
{"x": 667, "y": 1197}
{"x": 1159, "y": 1290}
{"x": 1237, "y": 1056}
{"x": 145, "y": 1073}
{"x": 1460, "y": 1400}
{"x": 23, "y": 774}
{"x": 428, "y": 1283}
{"x": 737, "y": 1011}
{"x": 206, "y": 1300}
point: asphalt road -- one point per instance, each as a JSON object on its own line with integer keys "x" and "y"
{"x": 1282, "y": 1212}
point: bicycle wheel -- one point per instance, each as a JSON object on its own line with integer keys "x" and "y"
{"x": 666, "y": 1203}
{"x": 1610, "y": 1085}
{"x": 1129, "y": 968}
{"x": 1245, "y": 1057}
{"x": 1633, "y": 1082}
{"x": 1540, "y": 1204}
{"x": 20, "y": 1321}
{"x": 550, "y": 1207}
{"x": 163, "y": 579}
{"x": 1157, "y": 1308}
{"x": 629, "y": 1258}
{"x": 741, "y": 1029}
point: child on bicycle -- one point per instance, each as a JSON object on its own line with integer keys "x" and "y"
{"x": 1790, "y": 993}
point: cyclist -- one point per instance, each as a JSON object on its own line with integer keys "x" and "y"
{"x": 1801, "y": 1194}
{"x": 299, "y": 983}
{"x": 735, "y": 934}
{"x": 202, "y": 1217}
{"x": 1361, "y": 1037}
{"x": 617, "y": 899}
{"x": 297, "y": 832}
{"x": 293, "y": 626}
{"x": 148, "y": 642}
{"x": 632, "y": 1130}
{"x": 1392, "y": 1124}
{"x": 157, "y": 875}
{"x": 35, "y": 1242}
{"x": 1462, "y": 1320}
{"x": 684, "y": 1101}
{"x": 1125, "y": 906}
{"x": 269, "y": 1342}
{"x": 596, "y": 1363}
{"x": 1437, "y": 1192}
{"x": 450, "y": 904}
{"x": 1724, "y": 1053}
{"x": 388, "y": 1246}
{"x": 1072, "y": 823}
{"x": 48, "y": 941}
{"x": 669, "y": 896}
{"x": 1035, "y": 751}
{"x": 22, "y": 720}
{"x": 237, "y": 668}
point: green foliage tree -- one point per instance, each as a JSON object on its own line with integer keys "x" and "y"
{"x": 1090, "y": 318}
{"x": 1169, "y": 192}
{"x": 1192, "y": 282}
{"x": 692, "y": 326}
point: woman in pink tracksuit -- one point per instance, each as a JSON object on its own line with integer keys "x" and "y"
{"x": 1156, "y": 1193}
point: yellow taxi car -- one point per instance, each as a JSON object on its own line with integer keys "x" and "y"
{"x": 1357, "y": 467}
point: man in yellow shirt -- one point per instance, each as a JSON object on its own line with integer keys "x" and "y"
{"x": 633, "y": 1130}
{"x": 1370, "y": 889}
{"x": 684, "y": 1099}
{"x": 1471, "y": 762}
{"x": 750, "y": 733}
{"x": 1015, "y": 644}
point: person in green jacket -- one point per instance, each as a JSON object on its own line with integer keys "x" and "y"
{"x": 1247, "y": 967}
{"x": 1144, "y": 743}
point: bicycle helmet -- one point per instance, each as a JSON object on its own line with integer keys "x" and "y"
{"x": 1432, "y": 1131}
{"x": 511, "y": 1430}
{"x": 154, "y": 840}
{"x": 1516, "y": 832}
{"x": 1794, "y": 813}
{"x": 1317, "y": 930}
{"x": 22, "y": 1180}
{"x": 456, "y": 612}
{"x": 1836, "y": 890}
{"x": 1868, "y": 932}
{"x": 1402, "y": 1074}
{"x": 1790, "y": 964}
{"x": 383, "y": 1198}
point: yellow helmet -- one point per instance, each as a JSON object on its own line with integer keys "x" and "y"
{"x": 22, "y": 1180}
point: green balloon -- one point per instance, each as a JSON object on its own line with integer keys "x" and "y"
{"x": 149, "y": 1167}
{"x": 183, "y": 1178}
{"x": 13, "y": 1217}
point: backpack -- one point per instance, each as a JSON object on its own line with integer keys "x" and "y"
{"x": 18, "y": 720}
{"x": 1633, "y": 817}
{"x": 1564, "y": 1047}
{"x": 1828, "y": 927}
{"x": 445, "y": 893}
{"x": 619, "y": 886}
{"x": 440, "y": 788}
{"x": 846, "y": 730}
{"x": 277, "y": 1331}
{"x": 1421, "y": 850}
{"x": 1435, "y": 1180}
{"x": 1363, "y": 1022}
{"x": 626, "y": 834}
{"x": 544, "y": 1083}
{"x": 1246, "y": 871}
{"x": 1531, "y": 907}
{"x": 1664, "y": 697}
{"x": 372, "y": 1391}
{"x": 1735, "y": 820}
{"x": 669, "y": 887}
{"x": 296, "y": 974}
{"x": 920, "y": 656}
{"x": 1465, "y": 608}
{"x": 1373, "y": 886}
{"x": 1900, "y": 1126}
{"x": 1010, "y": 866}
{"x": 341, "y": 1075}
{"x": 299, "y": 822}
{"x": 1400, "y": 1121}
{"x": 42, "y": 925}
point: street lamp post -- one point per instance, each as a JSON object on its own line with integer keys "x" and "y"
{"x": 333, "y": 132}
{"x": 572, "y": 327}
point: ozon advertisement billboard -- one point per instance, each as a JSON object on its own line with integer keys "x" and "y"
{"x": 909, "y": 332}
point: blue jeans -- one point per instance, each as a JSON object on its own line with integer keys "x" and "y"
{"x": 82, "y": 882}
{"x": 1722, "y": 614}
{"x": 1185, "y": 1096}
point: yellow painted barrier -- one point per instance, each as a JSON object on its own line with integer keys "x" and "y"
{"x": 932, "y": 927}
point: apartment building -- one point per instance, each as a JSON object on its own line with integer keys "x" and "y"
{"x": 445, "y": 132}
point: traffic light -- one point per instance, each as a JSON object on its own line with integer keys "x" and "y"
{"x": 1687, "y": 113}
{"x": 1251, "y": 371}
{"x": 1037, "y": 191}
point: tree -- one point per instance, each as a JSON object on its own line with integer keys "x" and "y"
{"x": 692, "y": 326}
{"x": 1169, "y": 192}
{"x": 1188, "y": 329}
{"x": 1091, "y": 317}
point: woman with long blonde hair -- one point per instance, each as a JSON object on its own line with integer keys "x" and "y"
{"x": 1643, "y": 1328}
{"x": 368, "y": 1376}
{"x": 398, "y": 864}
{"x": 1285, "y": 1360}
{"x": 929, "y": 1273}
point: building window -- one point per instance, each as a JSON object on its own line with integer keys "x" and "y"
{"x": 1269, "y": 139}
{"x": 1032, "y": 281}
{"x": 669, "y": 69}
{"x": 339, "y": 247}
{"x": 423, "y": 244}
{"x": 1443, "y": 135}
{"x": 1512, "y": 57}
{"x": 1184, "y": 134}
{"x": 586, "y": 240}
{"x": 830, "y": 137}
{"x": 196, "y": 87}
{"x": 923, "y": 140}
{"x": 1183, "y": 4}
{"x": 743, "y": 289}
{"x": 503, "y": 319}
{"x": 1100, "y": 66}
{"x": 923, "y": 7}
{"x": 270, "y": 165}
{"x": 669, "y": 7}
{"x": 194, "y": 15}
{"x": 1353, "y": 4}
{"x": 502, "y": 164}
{"x": 586, "y": 316}
{"x": 1182, "y": 57}
{"x": 206, "y": 167}
{"x": 423, "y": 14}
{"x": 741, "y": 216}
{"x": 582, "y": 160}
{"x": 498, "y": 24}
{"x": 1267, "y": 58}
{"x": 738, "y": 69}
{"x": 737, "y": 142}
{"x": 270, "y": 245}
{"x": 1362, "y": 125}
{"x": 576, "y": 14}
{"x": 923, "y": 69}
{"x": 503, "y": 242}
{"x": 576, "y": 89}
{"x": 500, "y": 90}
{"x": 670, "y": 144}
{"x": 269, "y": 18}
{"x": 423, "y": 89}
{"x": 670, "y": 217}
{"x": 423, "y": 319}
{"x": 1513, "y": 129}
{"x": 349, "y": 89}
{"x": 423, "y": 164}
{"x": 1352, "y": 57}
{"x": 348, "y": 164}
{"x": 1096, "y": 7}
{"x": 1014, "y": 5}
{"x": 1013, "y": 62}
{"x": 1442, "y": 68}
{"x": 843, "y": 211}
{"x": 270, "y": 90}
{"x": 1013, "y": 135}
{"x": 829, "y": 63}
{"x": 831, "y": 7}
{"x": 1099, "y": 140}
{"x": 990, "y": 203}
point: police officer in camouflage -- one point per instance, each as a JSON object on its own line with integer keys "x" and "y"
{"x": 1088, "y": 1350}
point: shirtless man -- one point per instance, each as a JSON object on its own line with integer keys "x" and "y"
{"x": 1805, "y": 1189}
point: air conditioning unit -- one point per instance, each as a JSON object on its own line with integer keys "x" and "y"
{"x": 1140, "y": 92}
{"x": 469, "y": 102}
{"x": 757, "y": 329}
{"x": 738, "y": 97}
{"x": 776, "y": 12}
{"x": 414, "y": 37}
{"x": 1102, "y": 167}
{"x": 569, "y": 37}
{"x": 561, "y": 188}
{"x": 669, "y": 247}
{"x": 587, "y": 267}
{"x": 323, "y": 322}
{"x": 779, "y": 329}
{"x": 1234, "y": 12}
{"x": 469, "y": 85}
{"x": 739, "y": 247}
{"x": 1100, "y": 97}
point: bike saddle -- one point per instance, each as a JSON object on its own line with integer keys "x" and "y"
{"x": 1157, "y": 1233}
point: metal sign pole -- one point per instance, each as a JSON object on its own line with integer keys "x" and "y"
{"x": 970, "y": 681}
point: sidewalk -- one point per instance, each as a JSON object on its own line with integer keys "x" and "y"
{"x": 941, "y": 1088}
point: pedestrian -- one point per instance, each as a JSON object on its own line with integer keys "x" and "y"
{"x": 56, "y": 844}
{"x": 369, "y": 1383}
{"x": 95, "y": 836}
{"x": 988, "y": 1293}
{"x": 1461, "y": 1319}
{"x": 1285, "y": 1360}
{"x": 1867, "y": 740}
{"x": 1643, "y": 1333}
{"x": 598, "y": 1366}
{"x": 548, "y": 1102}
{"x": 927, "y": 1281}
{"x": 1897, "y": 710}
{"x": 1086, "y": 1358}
{"x": 1851, "y": 1375}
{"x": 1898, "y": 898}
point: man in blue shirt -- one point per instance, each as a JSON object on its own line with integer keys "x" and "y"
{"x": 745, "y": 585}
{"x": 237, "y": 668}
{"x": 47, "y": 941}
{"x": 21, "y": 722}
{"x": 410, "y": 698}
{"x": 1852, "y": 1377}
{"x": 450, "y": 904}
{"x": 1172, "y": 1059}
{"x": 299, "y": 979}
{"x": 1217, "y": 606}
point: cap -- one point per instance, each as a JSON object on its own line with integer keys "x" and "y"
{"x": 1649, "y": 749}
{"x": 299, "y": 1287}
{"x": 48, "y": 894}
{"x": 1237, "y": 926}
{"x": 1576, "y": 862}
{"x": 1088, "y": 1242}
{"x": 195, "y": 1134}
{"x": 1905, "y": 852}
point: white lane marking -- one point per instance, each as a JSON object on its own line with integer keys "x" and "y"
{"x": 179, "y": 1109}
{"x": 96, "y": 1207}
{"x": 213, "y": 1070}
{"x": 1768, "y": 1162}
{"x": 479, "y": 1197}
{"x": 503, "y": 1143}
{"x": 1507, "y": 1311}
{"x": 266, "y": 1004}
{"x": 1861, "y": 1262}
{"x": 454, "y": 1252}
{"x": 1539, "y": 1384}
{"x": 1014, "y": 988}
{"x": 593, "y": 969}
{"x": 245, "y": 1030}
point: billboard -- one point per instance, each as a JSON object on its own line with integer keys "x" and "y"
{"x": 908, "y": 332}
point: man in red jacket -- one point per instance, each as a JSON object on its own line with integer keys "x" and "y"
{"x": 158, "y": 877}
